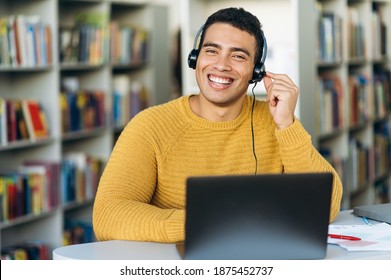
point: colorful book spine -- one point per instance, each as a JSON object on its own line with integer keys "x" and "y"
{"x": 30, "y": 189}
{"x": 77, "y": 232}
{"x": 129, "y": 98}
{"x": 22, "y": 119}
{"x": 80, "y": 174}
{"x": 85, "y": 42}
{"x": 331, "y": 97}
{"x": 361, "y": 101}
{"x": 27, "y": 250}
{"x": 128, "y": 44}
{"x": 25, "y": 41}
{"x": 82, "y": 110}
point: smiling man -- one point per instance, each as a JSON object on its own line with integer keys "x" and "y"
{"x": 224, "y": 67}
{"x": 221, "y": 130}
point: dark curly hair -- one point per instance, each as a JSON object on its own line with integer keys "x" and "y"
{"x": 241, "y": 19}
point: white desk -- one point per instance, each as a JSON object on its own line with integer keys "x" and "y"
{"x": 131, "y": 250}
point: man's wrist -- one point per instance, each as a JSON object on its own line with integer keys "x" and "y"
{"x": 283, "y": 126}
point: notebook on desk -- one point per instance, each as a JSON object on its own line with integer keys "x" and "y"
{"x": 281, "y": 216}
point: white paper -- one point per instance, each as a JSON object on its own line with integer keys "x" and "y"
{"x": 376, "y": 237}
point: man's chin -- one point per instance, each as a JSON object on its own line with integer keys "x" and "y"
{"x": 223, "y": 99}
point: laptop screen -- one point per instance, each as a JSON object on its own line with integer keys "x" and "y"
{"x": 276, "y": 216}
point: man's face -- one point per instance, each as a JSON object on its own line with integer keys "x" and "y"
{"x": 225, "y": 64}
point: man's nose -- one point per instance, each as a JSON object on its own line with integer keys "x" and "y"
{"x": 222, "y": 63}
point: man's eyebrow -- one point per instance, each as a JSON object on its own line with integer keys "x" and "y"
{"x": 210, "y": 44}
{"x": 234, "y": 49}
{"x": 241, "y": 50}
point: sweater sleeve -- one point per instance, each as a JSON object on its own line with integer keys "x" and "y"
{"x": 299, "y": 155}
{"x": 122, "y": 208}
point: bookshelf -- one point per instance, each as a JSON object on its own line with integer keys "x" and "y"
{"x": 348, "y": 46}
{"x": 66, "y": 87}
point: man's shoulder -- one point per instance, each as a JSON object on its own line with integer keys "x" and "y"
{"x": 160, "y": 122}
{"x": 172, "y": 106}
{"x": 178, "y": 101}
{"x": 166, "y": 112}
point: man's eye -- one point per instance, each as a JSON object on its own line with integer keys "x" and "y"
{"x": 239, "y": 57}
{"x": 210, "y": 51}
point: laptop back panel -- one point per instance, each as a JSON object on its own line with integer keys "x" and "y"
{"x": 378, "y": 212}
{"x": 282, "y": 216}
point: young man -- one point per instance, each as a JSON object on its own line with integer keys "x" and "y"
{"x": 141, "y": 195}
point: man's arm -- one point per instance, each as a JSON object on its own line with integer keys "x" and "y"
{"x": 122, "y": 208}
{"x": 297, "y": 152}
{"x": 299, "y": 155}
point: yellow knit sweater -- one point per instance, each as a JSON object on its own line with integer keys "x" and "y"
{"x": 141, "y": 194}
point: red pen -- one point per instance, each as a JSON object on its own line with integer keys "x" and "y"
{"x": 347, "y": 237}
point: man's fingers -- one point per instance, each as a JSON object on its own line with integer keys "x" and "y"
{"x": 282, "y": 77}
{"x": 267, "y": 82}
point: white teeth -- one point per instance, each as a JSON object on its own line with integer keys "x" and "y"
{"x": 219, "y": 80}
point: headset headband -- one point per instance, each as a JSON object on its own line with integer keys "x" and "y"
{"x": 197, "y": 35}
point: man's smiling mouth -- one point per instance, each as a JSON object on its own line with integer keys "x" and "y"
{"x": 218, "y": 80}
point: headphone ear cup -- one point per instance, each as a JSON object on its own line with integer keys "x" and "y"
{"x": 192, "y": 58}
{"x": 258, "y": 73}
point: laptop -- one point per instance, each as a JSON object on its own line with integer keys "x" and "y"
{"x": 275, "y": 217}
{"x": 377, "y": 212}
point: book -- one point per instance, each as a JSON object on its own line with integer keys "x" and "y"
{"x": 20, "y": 39}
{"x": 3, "y": 122}
{"x": 77, "y": 232}
{"x": 24, "y": 192}
{"x": 11, "y": 121}
{"x": 36, "y": 249}
{"x": 82, "y": 110}
{"x": 3, "y": 198}
{"x": 356, "y": 31}
{"x": 121, "y": 100}
{"x": 382, "y": 93}
{"x": 326, "y": 38}
{"x": 36, "y": 188}
{"x": 360, "y": 101}
{"x": 11, "y": 41}
{"x": 79, "y": 162}
{"x": 52, "y": 179}
{"x": 332, "y": 103}
{"x": 32, "y": 22}
{"x": 10, "y": 181}
{"x": 22, "y": 132}
{"x": 67, "y": 54}
{"x": 27, "y": 250}
{"x": 35, "y": 119}
{"x": 68, "y": 181}
{"x": 93, "y": 30}
{"x": 80, "y": 176}
{"x": 4, "y": 43}
{"x": 48, "y": 44}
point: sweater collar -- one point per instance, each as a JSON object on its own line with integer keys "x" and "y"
{"x": 243, "y": 116}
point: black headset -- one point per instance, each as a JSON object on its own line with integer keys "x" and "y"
{"x": 259, "y": 69}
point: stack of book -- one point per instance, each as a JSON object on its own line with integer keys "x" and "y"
{"x": 25, "y": 41}
{"x": 22, "y": 119}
